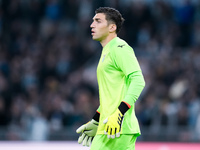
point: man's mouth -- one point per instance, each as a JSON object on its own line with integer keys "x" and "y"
{"x": 92, "y": 32}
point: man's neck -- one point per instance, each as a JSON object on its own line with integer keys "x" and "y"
{"x": 107, "y": 40}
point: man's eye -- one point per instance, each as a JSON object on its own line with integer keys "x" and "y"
{"x": 98, "y": 21}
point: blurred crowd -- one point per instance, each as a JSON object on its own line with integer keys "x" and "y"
{"x": 48, "y": 66}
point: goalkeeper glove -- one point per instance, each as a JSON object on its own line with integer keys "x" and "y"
{"x": 85, "y": 139}
{"x": 114, "y": 122}
{"x": 88, "y": 131}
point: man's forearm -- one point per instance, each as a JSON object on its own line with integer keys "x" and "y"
{"x": 136, "y": 86}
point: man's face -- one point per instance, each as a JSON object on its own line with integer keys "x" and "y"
{"x": 99, "y": 27}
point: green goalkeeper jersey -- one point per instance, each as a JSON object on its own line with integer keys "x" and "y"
{"x": 116, "y": 63}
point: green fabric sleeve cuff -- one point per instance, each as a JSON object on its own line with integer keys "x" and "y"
{"x": 98, "y": 110}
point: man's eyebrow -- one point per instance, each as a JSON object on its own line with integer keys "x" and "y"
{"x": 96, "y": 19}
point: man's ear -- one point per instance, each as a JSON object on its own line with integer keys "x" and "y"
{"x": 112, "y": 27}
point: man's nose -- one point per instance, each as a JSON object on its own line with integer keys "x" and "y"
{"x": 92, "y": 25}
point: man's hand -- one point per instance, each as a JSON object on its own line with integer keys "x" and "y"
{"x": 88, "y": 131}
{"x": 113, "y": 124}
{"x": 85, "y": 139}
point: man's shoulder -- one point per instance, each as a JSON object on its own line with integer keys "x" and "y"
{"x": 120, "y": 44}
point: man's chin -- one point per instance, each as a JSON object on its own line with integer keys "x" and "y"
{"x": 95, "y": 38}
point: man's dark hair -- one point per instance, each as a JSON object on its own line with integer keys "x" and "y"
{"x": 112, "y": 15}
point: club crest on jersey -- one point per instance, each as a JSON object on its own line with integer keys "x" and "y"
{"x": 103, "y": 57}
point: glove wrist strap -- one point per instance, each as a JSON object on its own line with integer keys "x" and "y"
{"x": 96, "y": 116}
{"x": 123, "y": 107}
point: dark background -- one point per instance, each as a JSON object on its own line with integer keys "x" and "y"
{"x": 48, "y": 65}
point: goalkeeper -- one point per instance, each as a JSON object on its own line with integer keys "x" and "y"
{"x": 120, "y": 81}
